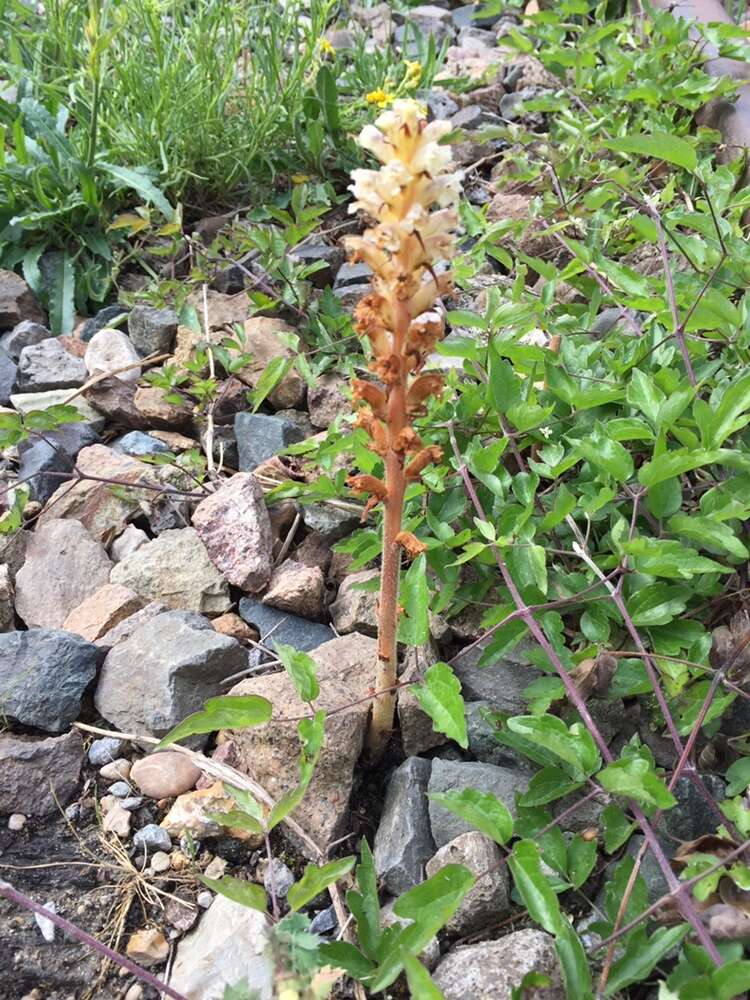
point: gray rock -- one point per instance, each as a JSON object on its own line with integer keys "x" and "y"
{"x": 300, "y": 419}
{"x": 456, "y": 775}
{"x": 152, "y": 330}
{"x": 224, "y": 446}
{"x": 281, "y": 881}
{"x": 8, "y": 374}
{"x": 37, "y": 775}
{"x": 43, "y": 675}
{"x": 17, "y": 302}
{"x": 474, "y": 116}
{"x": 24, "y": 402}
{"x": 47, "y": 365}
{"x": 165, "y": 670}
{"x": 465, "y": 17}
{"x": 234, "y": 526}
{"x": 502, "y": 682}
{"x": 152, "y": 838}
{"x": 137, "y": 443}
{"x": 609, "y": 320}
{"x": 229, "y": 945}
{"x": 352, "y": 274}
{"x": 403, "y": 842}
{"x": 260, "y": 436}
{"x": 105, "y": 750}
{"x": 13, "y": 551}
{"x": 440, "y": 104}
{"x": 122, "y": 631}
{"x": 483, "y": 746}
{"x": 287, "y": 628}
{"x": 356, "y": 610}
{"x": 692, "y": 817}
{"x": 488, "y": 900}
{"x": 331, "y": 256}
{"x": 64, "y": 566}
{"x": 56, "y": 452}
{"x": 7, "y": 605}
{"x": 120, "y": 789}
{"x": 131, "y": 539}
{"x": 108, "y": 316}
{"x": 324, "y": 922}
{"x": 330, "y": 522}
{"x": 131, "y": 802}
{"x": 176, "y": 570}
{"x": 476, "y": 39}
{"x": 326, "y": 401}
{"x": 349, "y": 295}
{"x": 23, "y": 335}
{"x": 493, "y": 969}
{"x": 111, "y": 351}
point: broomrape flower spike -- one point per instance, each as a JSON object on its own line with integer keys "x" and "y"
{"x": 412, "y": 199}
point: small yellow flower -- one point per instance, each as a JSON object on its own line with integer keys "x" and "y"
{"x": 379, "y": 97}
{"x": 300, "y": 178}
{"x": 326, "y": 48}
{"x": 413, "y": 73}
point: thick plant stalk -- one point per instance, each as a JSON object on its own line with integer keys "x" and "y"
{"x": 412, "y": 199}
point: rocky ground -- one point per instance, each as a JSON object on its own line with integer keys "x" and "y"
{"x": 133, "y": 592}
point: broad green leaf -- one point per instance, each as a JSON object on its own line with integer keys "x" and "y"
{"x": 606, "y": 454}
{"x": 659, "y": 145}
{"x": 617, "y": 828}
{"x": 525, "y": 863}
{"x": 236, "y": 819}
{"x": 728, "y": 416}
{"x": 574, "y": 963}
{"x": 141, "y": 183}
{"x": 301, "y": 668}
{"x": 573, "y": 744}
{"x": 644, "y": 394}
{"x": 738, "y": 776}
{"x": 482, "y": 810}
{"x": 635, "y": 778}
{"x": 657, "y": 604}
{"x": 429, "y": 905}
{"x": 548, "y": 785}
{"x": 245, "y": 801}
{"x": 342, "y": 955}
{"x": 440, "y": 697}
{"x": 421, "y": 986}
{"x": 272, "y": 374}
{"x": 581, "y": 860}
{"x": 224, "y": 712}
{"x": 641, "y": 955}
{"x": 327, "y": 91}
{"x": 317, "y": 878}
{"x": 239, "y": 891}
{"x": 670, "y": 559}
{"x": 675, "y": 463}
{"x": 708, "y": 533}
{"x": 731, "y": 980}
{"x": 414, "y": 625}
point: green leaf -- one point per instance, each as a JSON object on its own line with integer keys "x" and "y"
{"x": 365, "y": 904}
{"x": 237, "y": 820}
{"x": 606, "y": 454}
{"x": 657, "y": 604}
{"x": 225, "y": 712}
{"x": 414, "y": 625}
{"x": 142, "y": 184}
{"x": 738, "y": 776}
{"x": 301, "y": 668}
{"x": 581, "y": 860}
{"x": 635, "y": 778}
{"x": 670, "y": 559}
{"x": 675, "y": 463}
{"x": 311, "y": 734}
{"x": 239, "y": 891}
{"x": 708, "y": 533}
{"x": 421, "y": 986}
{"x": 645, "y": 395}
{"x": 429, "y": 905}
{"x": 315, "y": 879}
{"x": 732, "y": 979}
{"x": 617, "y": 828}
{"x": 440, "y": 697}
{"x": 573, "y": 744}
{"x": 327, "y": 91}
{"x": 525, "y": 863}
{"x": 659, "y": 145}
{"x": 482, "y": 810}
{"x": 574, "y": 964}
{"x": 270, "y": 377}
{"x": 548, "y": 785}
{"x": 62, "y": 293}
{"x": 641, "y": 955}
{"x": 342, "y": 955}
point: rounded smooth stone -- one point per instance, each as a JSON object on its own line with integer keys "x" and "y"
{"x": 160, "y": 862}
{"x": 16, "y": 822}
{"x": 164, "y": 775}
{"x": 120, "y": 789}
{"x": 116, "y": 770}
{"x": 152, "y": 838}
{"x": 105, "y": 750}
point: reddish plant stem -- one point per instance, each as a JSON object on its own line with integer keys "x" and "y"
{"x": 686, "y": 904}
{"x": 15, "y": 896}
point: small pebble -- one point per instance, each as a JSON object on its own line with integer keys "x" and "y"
{"x": 134, "y": 993}
{"x": 282, "y": 881}
{"x": 205, "y": 899}
{"x": 46, "y": 927}
{"x": 178, "y": 861}
{"x": 120, "y": 789}
{"x": 117, "y": 821}
{"x": 152, "y": 838}
{"x": 105, "y": 750}
{"x": 216, "y": 868}
{"x": 106, "y": 802}
{"x": 324, "y": 921}
{"x": 73, "y": 811}
{"x": 160, "y": 862}
{"x": 132, "y": 802}
{"x": 16, "y": 822}
{"x": 116, "y": 770}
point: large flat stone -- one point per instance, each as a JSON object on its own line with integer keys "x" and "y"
{"x": 287, "y": 627}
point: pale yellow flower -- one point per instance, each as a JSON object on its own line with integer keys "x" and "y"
{"x": 326, "y": 48}
{"x": 379, "y": 97}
